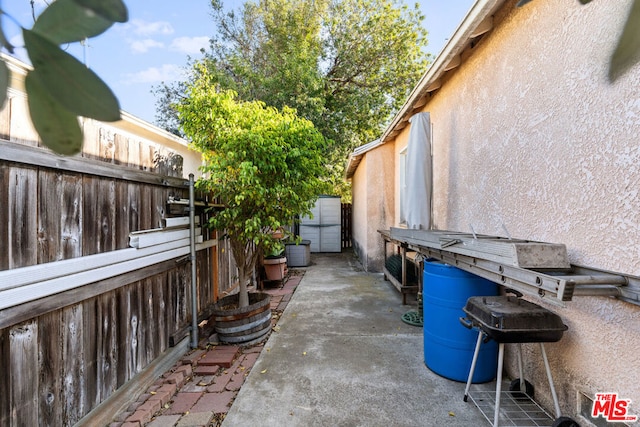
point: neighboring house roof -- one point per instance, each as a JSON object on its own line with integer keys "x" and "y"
{"x": 477, "y": 22}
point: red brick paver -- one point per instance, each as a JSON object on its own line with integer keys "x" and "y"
{"x": 219, "y": 403}
{"x": 205, "y": 381}
{"x": 182, "y": 402}
{"x": 223, "y": 357}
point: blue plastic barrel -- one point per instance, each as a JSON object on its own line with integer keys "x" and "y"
{"x": 449, "y": 346}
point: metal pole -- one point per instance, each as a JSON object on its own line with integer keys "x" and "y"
{"x": 192, "y": 238}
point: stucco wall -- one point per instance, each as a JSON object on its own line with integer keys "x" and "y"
{"x": 359, "y": 199}
{"x": 373, "y": 186}
{"x": 529, "y": 134}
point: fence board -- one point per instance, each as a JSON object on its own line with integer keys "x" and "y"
{"x": 146, "y": 208}
{"x": 91, "y": 354}
{"x": 149, "y": 325}
{"x": 99, "y": 214}
{"x": 159, "y": 197}
{"x": 73, "y": 367}
{"x": 5, "y": 386}
{"x": 49, "y": 331}
{"x": 21, "y": 246}
{"x": 159, "y": 309}
{"x": 346, "y": 225}
{"x": 107, "y": 348}
{"x": 23, "y": 371}
{"x": 59, "y": 213}
{"x": 4, "y": 216}
{"x": 124, "y": 217}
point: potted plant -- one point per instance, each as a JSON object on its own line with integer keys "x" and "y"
{"x": 275, "y": 262}
{"x": 264, "y": 165}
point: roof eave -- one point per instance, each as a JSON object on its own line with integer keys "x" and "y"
{"x": 477, "y": 21}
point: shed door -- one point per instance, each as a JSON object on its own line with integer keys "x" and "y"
{"x": 324, "y": 230}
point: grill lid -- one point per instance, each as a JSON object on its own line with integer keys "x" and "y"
{"x": 511, "y": 319}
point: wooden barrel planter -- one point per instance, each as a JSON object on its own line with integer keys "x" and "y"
{"x": 246, "y": 325}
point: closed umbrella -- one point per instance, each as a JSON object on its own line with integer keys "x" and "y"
{"x": 417, "y": 198}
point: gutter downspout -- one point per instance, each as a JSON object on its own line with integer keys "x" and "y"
{"x": 192, "y": 236}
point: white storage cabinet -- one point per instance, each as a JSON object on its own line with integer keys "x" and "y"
{"x": 324, "y": 229}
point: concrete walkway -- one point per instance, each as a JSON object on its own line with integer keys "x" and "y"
{"x": 341, "y": 356}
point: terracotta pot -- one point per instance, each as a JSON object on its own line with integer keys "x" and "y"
{"x": 275, "y": 267}
{"x": 278, "y": 234}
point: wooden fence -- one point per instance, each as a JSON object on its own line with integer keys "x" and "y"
{"x": 64, "y": 353}
{"x": 346, "y": 225}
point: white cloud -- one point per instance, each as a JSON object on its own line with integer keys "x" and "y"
{"x": 189, "y": 45}
{"x": 165, "y": 73}
{"x": 143, "y": 46}
{"x": 144, "y": 28}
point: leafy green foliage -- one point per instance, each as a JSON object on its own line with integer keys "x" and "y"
{"x": 60, "y": 88}
{"x": 345, "y": 65}
{"x": 75, "y": 87}
{"x": 4, "y": 82}
{"x": 627, "y": 51}
{"x": 58, "y": 128}
{"x": 64, "y": 21}
{"x": 265, "y": 165}
{"x": 112, "y": 10}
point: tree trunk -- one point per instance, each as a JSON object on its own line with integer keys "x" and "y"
{"x": 243, "y": 295}
{"x": 245, "y": 255}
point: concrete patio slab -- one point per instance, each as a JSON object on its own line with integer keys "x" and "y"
{"x": 341, "y": 356}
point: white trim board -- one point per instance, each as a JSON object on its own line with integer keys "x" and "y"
{"x": 157, "y": 236}
{"x": 54, "y": 282}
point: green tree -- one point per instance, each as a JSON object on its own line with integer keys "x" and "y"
{"x": 345, "y": 65}
{"x": 263, "y": 164}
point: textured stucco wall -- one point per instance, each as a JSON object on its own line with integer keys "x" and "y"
{"x": 381, "y": 172}
{"x": 373, "y": 200}
{"x": 359, "y": 199}
{"x": 529, "y": 134}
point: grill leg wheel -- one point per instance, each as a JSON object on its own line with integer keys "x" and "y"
{"x": 565, "y": 422}
{"x": 518, "y": 393}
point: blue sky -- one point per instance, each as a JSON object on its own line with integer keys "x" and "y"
{"x": 154, "y": 45}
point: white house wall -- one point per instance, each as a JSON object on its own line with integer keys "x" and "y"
{"x": 118, "y": 142}
{"x": 529, "y": 135}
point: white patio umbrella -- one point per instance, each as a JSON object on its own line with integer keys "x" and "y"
{"x": 417, "y": 201}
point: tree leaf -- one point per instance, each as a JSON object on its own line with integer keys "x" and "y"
{"x": 585, "y": 1}
{"x": 74, "y": 86}
{"x": 58, "y": 128}
{"x": 5, "y": 74}
{"x": 3, "y": 40}
{"x": 65, "y": 21}
{"x": 113, "y": 10}
{"x": 627, "y": 51}
{"x": 522, "y": 2}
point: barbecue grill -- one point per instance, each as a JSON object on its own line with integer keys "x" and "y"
{"x": 509, "y": 319}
